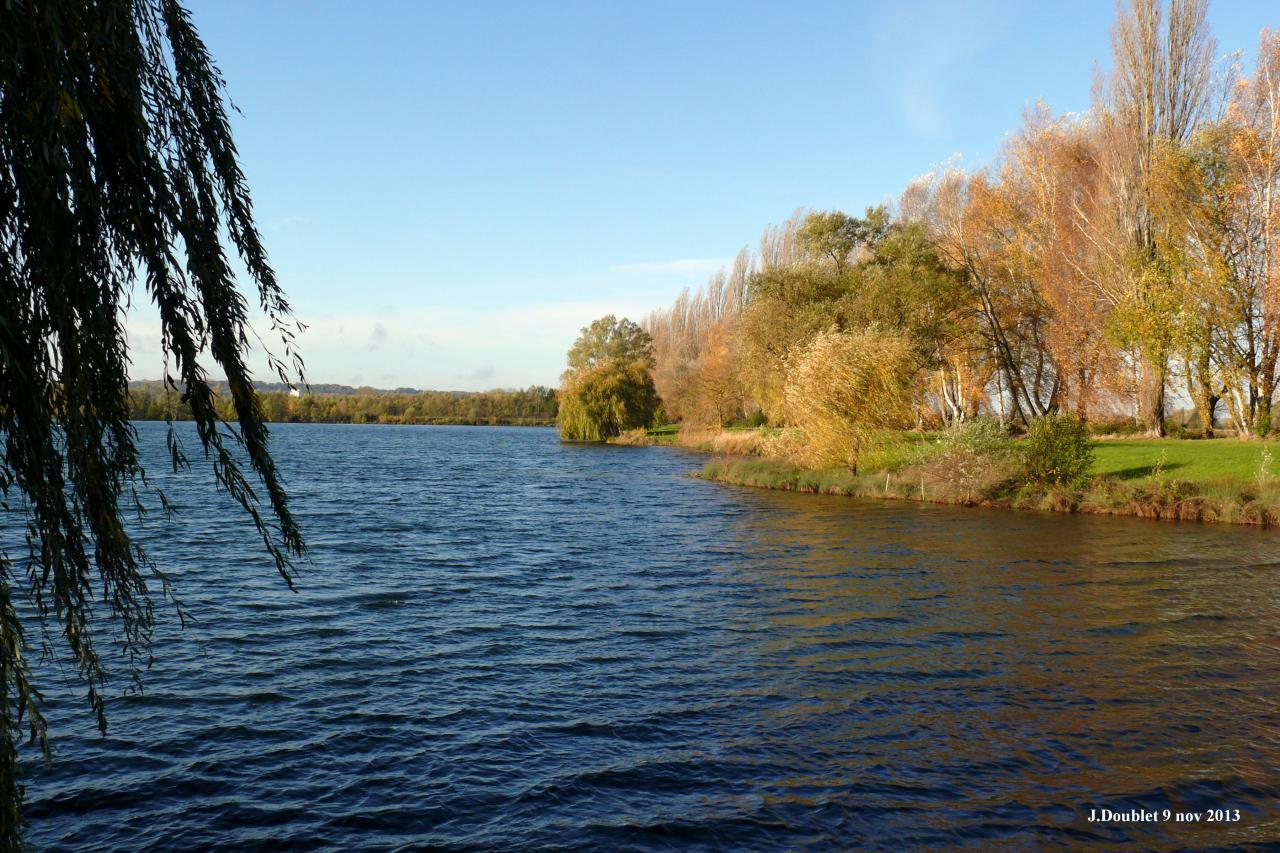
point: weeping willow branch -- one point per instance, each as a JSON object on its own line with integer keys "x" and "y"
{"x": 116, "y": 165}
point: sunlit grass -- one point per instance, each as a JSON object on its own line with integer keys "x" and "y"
{"x": 1208, "y": 461}
{"x": 900, "y": 451}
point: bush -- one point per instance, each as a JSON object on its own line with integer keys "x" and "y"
{"x": 1057, "y": 450}
{"x": 1115, "y": 426}
{"x": 973, "y": 458}
{"x": 980, "y": 437}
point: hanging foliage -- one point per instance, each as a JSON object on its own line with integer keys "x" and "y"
{"x": 116, "y": 165}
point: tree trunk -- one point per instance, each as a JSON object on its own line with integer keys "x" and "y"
{"x": 1152, "y": 404}
{"x": 1266, "y": 392}
{"x": 1206, "y": 404}
{"x": 1082, "y": 393}
{"x": 1201, "y": 393}
{"x": 1262, "y": 417}
{"x": 1240, "y": 414}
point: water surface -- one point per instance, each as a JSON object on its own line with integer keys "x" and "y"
{"x": 501, "y": 642}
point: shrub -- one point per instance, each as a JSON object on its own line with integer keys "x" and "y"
{"x": 1057, "y": 450}
{"x": 973, "y": 457}
{"x": 637, "y": 437}
{"x": 980, "y": 437}
{"x": 1115, "y": 426}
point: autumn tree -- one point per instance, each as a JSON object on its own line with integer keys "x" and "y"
{"x": 973, "y": 222}
{"x": 1051, "y": 166}
{"x": 1253, "y": 166}
{"x": 778, "y": 243}
{"x": 696, "y": 353}
{"x": 1159, "y": 90}
{"x": 717, "y": 393}
{"x": 1196, "y": 198}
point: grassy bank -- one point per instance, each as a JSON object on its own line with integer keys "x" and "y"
{"x": 733, "y": 441}
{"x": 1220, "y": 480}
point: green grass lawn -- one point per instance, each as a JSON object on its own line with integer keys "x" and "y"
{"x": 1212, "y": 461}
{"x": 1194, "y": 461}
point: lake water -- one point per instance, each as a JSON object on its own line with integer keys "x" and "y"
{"x": 501, "y": 642}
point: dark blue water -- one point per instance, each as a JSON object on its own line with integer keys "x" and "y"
{"x": 505, "y": 643}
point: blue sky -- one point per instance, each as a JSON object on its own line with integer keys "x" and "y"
{"x": 448, "y": 191}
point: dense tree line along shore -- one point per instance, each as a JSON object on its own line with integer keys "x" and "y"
{"x": 1115, "y": 271}
{"x": 335, "y": 404}
{"x": 1110, "y": 264}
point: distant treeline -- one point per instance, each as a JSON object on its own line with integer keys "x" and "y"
{"x": 339, "y": 404}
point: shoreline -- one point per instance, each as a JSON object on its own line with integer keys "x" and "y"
{"x": 1170, "y": 500}
{"x": 1224, "y": 481}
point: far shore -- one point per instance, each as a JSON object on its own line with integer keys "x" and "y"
{"x": 375, "y": 422}
{"x": 340, "y": 404}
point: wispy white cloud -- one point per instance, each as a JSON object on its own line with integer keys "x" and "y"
{"x": 916, "y": 45}
{"x": 679, "y": 265}
{"x": 421, "y": 347}
{"x": 484, "y": 374}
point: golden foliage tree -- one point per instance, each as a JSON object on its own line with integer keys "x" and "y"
{"x": 1159, "y": 90}
{"x": 1253, "y": 120}
{"x": 1052, "y": 168}
{"x": 974, "y": 223}
{"x": 695, "y": 348}
{"x": 845, "y": 390}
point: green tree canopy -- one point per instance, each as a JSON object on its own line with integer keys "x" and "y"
{"x": 116, "y": 165}
{"x": 603, "y": 401}
{"x": 608, "y": 387}
{"x": 903, "y": 286}
{"x": 833, "y": 236}
{"x": 611, "y": 339}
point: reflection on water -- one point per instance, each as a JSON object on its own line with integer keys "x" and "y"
{"x": 507, "y": 643}
{"x": 1003, "y": 672}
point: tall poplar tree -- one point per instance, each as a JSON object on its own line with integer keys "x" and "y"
{"x": 1159, "y": 90}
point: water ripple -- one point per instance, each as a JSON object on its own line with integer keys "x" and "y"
{"x": 505, "y": 643}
